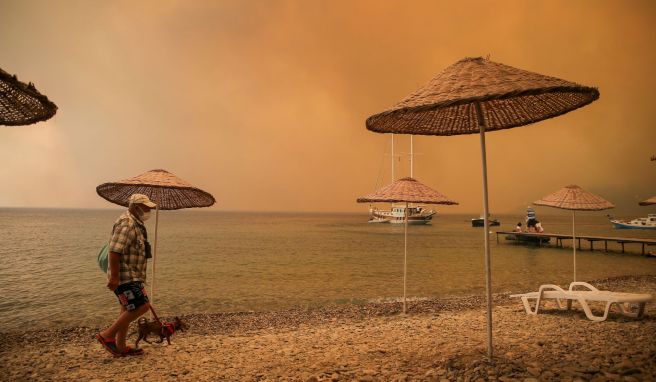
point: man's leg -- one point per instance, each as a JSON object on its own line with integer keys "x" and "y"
{"x": 110, "y": 332}
{"x": 122, "y": 330}
{"x": 119, "y": 329}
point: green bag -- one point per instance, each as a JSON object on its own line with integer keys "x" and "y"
{"x": 103, "y": 257}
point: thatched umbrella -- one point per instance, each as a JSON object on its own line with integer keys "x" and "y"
{"x": 407, "y": 190}
{"x": 475, "y": 95}
{"x": 575, "y": 198}
{"x": 162, "y": 187}
{"x": 648, "y": 202}
{"x": 22, "y": 104}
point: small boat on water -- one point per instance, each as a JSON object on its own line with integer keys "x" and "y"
{"x": 417, "y": 215}
{"x": 529, "y": 239}
{"x": 480, "y": 222}
{"x": 640, "y": 223}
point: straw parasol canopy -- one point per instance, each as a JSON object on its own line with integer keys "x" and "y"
{"x": 407, "y": 190}
{"x": 22, "y": 104}
{"x": 162, "y": 187}
{"x": 167, "y": 190}
{"x": 508, "y": 97}
{"x": 575, "y": 198}
{"x": 649, "y": 201}
{"x": 475, "y": 95}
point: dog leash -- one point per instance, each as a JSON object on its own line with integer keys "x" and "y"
{"x": 166, "y": 326}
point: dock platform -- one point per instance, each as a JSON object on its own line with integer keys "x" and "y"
{"x": 535, "y": 237}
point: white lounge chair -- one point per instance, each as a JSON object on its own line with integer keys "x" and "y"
{"x": 624, "y": 301}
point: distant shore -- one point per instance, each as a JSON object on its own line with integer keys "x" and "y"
{"x": 440, "y": 339}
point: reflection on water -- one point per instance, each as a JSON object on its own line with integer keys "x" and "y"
{"x": 217, "y": 261}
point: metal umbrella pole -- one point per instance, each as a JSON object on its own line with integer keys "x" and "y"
{"x": 574, "y": 240}
{"x": 152, "y": 284}
{"x": 486, "y": 225}
{"x": 405, "y": 254}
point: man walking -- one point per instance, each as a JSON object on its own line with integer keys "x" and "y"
{"x": 126, "y": 274}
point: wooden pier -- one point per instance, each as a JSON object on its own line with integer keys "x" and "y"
{"x": 537, "y": 238}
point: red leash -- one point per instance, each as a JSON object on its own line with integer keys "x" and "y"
{"x": 152, "y": 310}
{"x": 166, "y": 326}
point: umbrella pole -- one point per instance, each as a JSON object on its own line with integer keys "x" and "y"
{"x": 405, "y": 254}
{"x": 486, "y": 225}
{"x": 574, "y": 240}
{"x": 152, "y": 284}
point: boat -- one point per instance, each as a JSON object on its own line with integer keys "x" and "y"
{"x": 529, "y": 239}
{"x": 480, "y": 222}
{"x": 640, "y": 223}
{"x": 374, "y": 220}
{"x": 417, "y": 215}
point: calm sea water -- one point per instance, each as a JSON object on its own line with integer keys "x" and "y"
{"x": 219, "y": 261}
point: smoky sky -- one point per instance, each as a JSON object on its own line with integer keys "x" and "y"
{"x": 263, "y": 103}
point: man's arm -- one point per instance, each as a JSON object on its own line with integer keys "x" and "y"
{"x": 114, "y": 261}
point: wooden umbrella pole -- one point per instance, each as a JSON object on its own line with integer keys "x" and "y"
{"x": 574, "y": 240}
{"x": 486, "y": 225}
{"x": 405, "y": 254}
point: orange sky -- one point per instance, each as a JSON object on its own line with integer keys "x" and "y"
{"x": 263, "y": 103}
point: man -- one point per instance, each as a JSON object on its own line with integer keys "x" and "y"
{"x": 126, "y": 273}
{"x": 530, "y": 219}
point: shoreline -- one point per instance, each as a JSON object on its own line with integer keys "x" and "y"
{"x": 230, "y": 322}
{"x": 438, "y": 340}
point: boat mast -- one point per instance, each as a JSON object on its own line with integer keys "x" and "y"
{"x": 411, "y": 162}
{"x": 393, "y": 178}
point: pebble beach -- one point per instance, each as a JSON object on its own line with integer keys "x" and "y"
{"x": 437, "y": 340}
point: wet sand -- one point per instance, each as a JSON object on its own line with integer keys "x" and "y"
{"x": 437, "y": 340}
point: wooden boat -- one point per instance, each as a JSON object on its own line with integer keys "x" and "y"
{"x": 480, "y": 222}
{"x": 529, "y": 239}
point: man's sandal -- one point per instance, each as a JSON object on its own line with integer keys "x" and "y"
{"x": 130, "y": 351}
{"x": 108, "y": 344}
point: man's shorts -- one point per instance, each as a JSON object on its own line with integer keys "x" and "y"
{"x": 131, "y": 295}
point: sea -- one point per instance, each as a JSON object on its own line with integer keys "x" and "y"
{"x": 213, "y": 261}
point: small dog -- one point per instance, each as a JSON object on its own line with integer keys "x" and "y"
{"x": 161, "y": 329}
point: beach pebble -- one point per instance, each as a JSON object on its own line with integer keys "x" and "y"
{"x": 370, "y": 342}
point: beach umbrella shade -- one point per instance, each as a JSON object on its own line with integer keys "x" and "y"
{"x": 162, "y": 187}
{"x": 22, "y": 104}
{"x": 574, "y": 198}
{"x": 648, "y": 202}
{"x": 476, "y": 95}
{"x": 406, "y": 190}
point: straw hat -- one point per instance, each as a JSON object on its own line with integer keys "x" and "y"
{"x": 575, "y": 198}
{"x": 164, "y": 188}
{"x": 22, "y": 104}
{"x": 649, "y": 201}
{"x": 406, "y": 190}
{"x": 508, "y": 97}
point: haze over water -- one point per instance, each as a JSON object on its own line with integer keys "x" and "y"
{"x": 219, "y": 261}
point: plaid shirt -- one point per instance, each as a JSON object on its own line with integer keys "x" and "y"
{"x": 129, "y": 241}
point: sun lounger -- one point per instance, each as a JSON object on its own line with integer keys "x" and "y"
{"x": 624, "y": 301}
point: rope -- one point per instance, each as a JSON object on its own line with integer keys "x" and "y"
{"x": 380, "y": 170}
